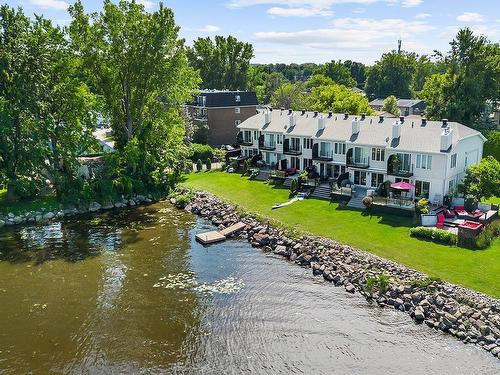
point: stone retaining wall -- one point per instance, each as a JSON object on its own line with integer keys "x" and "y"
{"x": 469, "y": 316}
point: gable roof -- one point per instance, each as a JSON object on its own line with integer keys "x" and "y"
{"x": 401, "y": 102}
{"x": 415, "y": 137}
{"x": 216, "y": 98}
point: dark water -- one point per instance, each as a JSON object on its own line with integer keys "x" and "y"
{"x": 95, "y": 297}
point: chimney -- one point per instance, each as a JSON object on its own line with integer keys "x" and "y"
{"x": 424, "y": 121}
{"x": 271, "y": 109}
{"x": 355, "y": 126}
{"x": 363, "y": 116}
{"x": 445, "y": 122}
{"x": 267, "y": 117}
{"x": 293, "y": 119}
{"x": 446, "y": 138}
{"x": 381, "y": 118}
{"x": 396, "y": 130}
{"x": 321, "y": 122}
{"x": 401, "y": 119}
{"x": 290, "y": 111}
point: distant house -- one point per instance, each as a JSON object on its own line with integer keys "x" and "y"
{"x": 221, "y": 112}
{"x": 357, "y": 90}
{"x": 407, "y": 107}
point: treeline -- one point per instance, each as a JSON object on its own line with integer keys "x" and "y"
{"x": 123, "y": 65}
{"x": 462, "y": 84}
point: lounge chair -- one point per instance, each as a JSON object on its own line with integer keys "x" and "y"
{"x": 440, "y": 221}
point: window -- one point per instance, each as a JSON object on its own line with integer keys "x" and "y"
{"x": 307, "y": 163}
{"x": 453, "y": 162}
{"x": 295, "y": 144}
{"x": 377, "y": 179}
{"x": 424, "y": 161}
{"x": 338, "y": 170}
{"x": 378, "y": 154}
{"x": 452, "y": 186}
{"x": 325, "y": 149}
{"x": 405, "y": 162}
{"x": 295, "y": 162}
{"x": 339, "y": 148}
{"x": 237, "y": 122}
{"x": 422, "y": 189}
{"x": 359, "y": 178}
{"x": 308, "y": 143}
{"x": 255, "y": 134}
{"x": 403, "y": 180}
{"x": 237, "y": 98}
{"x": 237, "y": 110}
{"x": 279, "y": 139}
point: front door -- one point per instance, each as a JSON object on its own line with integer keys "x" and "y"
{"x": 360, "y": 178}
{"x": 322, "y": 170}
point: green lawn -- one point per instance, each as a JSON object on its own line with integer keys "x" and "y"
{"x": 384, "y": 235}
{"x": 493, "y": 200}
{"x": 47, "y": 203}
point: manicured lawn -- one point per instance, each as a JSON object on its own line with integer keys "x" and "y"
{"x": 385, "y": 235}
{"x": 37, "y": 204}
{"x": 493, "y": 200}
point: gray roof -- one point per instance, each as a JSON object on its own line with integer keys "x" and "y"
{"x": 414, "y": 137}
{"x": 401, "y": 102}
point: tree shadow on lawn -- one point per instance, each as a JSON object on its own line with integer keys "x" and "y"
{"x": 383, "y": 218}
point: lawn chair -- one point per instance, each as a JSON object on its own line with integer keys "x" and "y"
{"x": 440, "y": 221}
{"x": 437, "y": 199}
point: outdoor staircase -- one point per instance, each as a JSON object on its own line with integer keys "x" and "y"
{"x": 322, "y": 192}
{"x": 356, "y": 202}
{"x": 288, "y": 182}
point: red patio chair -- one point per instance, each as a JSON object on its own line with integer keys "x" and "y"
{"x": 440, "y": 221}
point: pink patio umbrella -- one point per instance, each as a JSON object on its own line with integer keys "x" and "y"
{"x": 402, "y": 186}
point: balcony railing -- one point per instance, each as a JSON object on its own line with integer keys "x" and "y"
{"x": 358, "y": 163}
{"x": 243, "y": 140}
{"x": 322, "y": 156}
{"x": 407, "y": 172}
{"x": 270, "y": 146}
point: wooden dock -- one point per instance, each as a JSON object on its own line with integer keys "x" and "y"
{"x": 219, "y": 236}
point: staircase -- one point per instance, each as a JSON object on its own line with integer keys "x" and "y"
{"x": 288, "y": 182}
{"x": 356, "y": 202}
{"x": 321, "y": 192}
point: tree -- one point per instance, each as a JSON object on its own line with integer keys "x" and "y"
{"x": 391, "y": 75}
{"x": 471, "y": 80}
{"x": 272, "y": 82}
{"x": 391, "y": 105}
{"x": 223, "y": 64}
{"x": 483, "y": 180}
{"x": 339, "y": 99}
{"x": 358, "y": 72}
{"x": 492, "y": 145}
{"x": 136, "y": 61}
{"x": 318, "y": 80}
{"x": 289, "y": 95}
{"x": 424, "y": 68}
{"x": 338, "y": 72}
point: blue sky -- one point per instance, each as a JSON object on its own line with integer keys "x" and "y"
{"x": 316, "y": 30}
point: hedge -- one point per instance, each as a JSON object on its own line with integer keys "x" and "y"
{"x": 437, "y": 235}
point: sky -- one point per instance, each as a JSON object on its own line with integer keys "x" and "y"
{"x": 286, "y": 31}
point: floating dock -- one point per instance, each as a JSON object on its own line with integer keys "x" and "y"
{"x": 219, "y": 236}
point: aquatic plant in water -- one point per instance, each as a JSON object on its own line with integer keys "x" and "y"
{"x": 187, "y": 281}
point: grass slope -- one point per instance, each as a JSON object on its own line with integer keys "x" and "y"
{"x": 37, "y": 204}
{"x": 386, "y": 236}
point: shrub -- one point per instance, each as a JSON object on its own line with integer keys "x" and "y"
{"x": 424, "y": 283}
{"x": 368, "y": 202}
{"x": 294, "y": 185}
{"x": 438, "y": 235}
{"x": 201, "y": 152}
{"x": 24, "y": 187}
{"x": 209, "y": 164}
{"x": 380, "y": 282}
{"x": 123, "y": 185}
{"x": 199, "y": 165}
{"x": 487, "y": 236}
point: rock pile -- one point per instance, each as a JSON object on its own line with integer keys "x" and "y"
{"x": 46, "y": 216}
{"x": 469, "y": 316}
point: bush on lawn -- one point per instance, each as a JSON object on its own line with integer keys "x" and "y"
{"x": 437, "y": 235}
{"x": 209, "y": 164}
{"x": 199, "y": 165}
{"x": 201, "y": 152}
{"x": 487, "y": 236}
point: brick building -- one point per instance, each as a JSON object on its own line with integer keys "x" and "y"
{"x": 221, "y": 112}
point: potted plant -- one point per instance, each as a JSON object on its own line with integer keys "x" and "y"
{"x": 396, "y": 163}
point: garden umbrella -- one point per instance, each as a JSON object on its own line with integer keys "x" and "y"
{"x": 402, "y": 186}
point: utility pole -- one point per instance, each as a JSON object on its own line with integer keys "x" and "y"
{"x": 399, "y": 46}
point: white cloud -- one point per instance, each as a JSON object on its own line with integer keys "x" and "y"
{"x": 470, "y": 17}
{"x": 204, "y": 29}
{"x": 54, "y": 4}
{"x": 147, "y": 3}
{"x": 299, "y": 12}
{"x": 410, "y": 3}
{"x": 321, "y": 4}
{"x": 421, "y": 16}
{"x": 349, "y": 33}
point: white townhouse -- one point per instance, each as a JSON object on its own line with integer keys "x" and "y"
{"x": 432, "y": 155}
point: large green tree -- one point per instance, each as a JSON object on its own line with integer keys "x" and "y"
{"x": 391, "y": 105}
{"x": 483, "y": 180}
{"x": 338, "y": 72}
{"x": 339, "y": 99}
{"x": 358, "y": 72}
{"x": 471, "y": 80}
{"x": 391, "y": 75}
{"x": 223, "y": 63}
{"x": 138, "y": 64}
{"x": 289, "y": 96}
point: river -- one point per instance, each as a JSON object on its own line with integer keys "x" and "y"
{"x": 132, "y": 292}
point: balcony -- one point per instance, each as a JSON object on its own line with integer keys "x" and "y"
{"x": 266, "y": 145}
{"x": 357, "y": 161}
{"x": 325, "y": 155}
{"x": 395, "y": 169}
{"x": 291, "y": 150}
{"x": 244, "y": 141}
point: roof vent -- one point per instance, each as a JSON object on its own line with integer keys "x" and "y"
{"x": 401, "y": 119}
{"x": 330, "y": 114}
{"x": 446, "y": 138}
{"x": 424, "y": 121}
{"x": 321, "y": 122}
{"x": 293, "y": 119}
{"x": 346, "y": 116}
{"x": 290, "y": 111}
{"x": 315, "y": 113}
{"x": 355, "y": 126}
{"x": 381, "y": 118}
{"x": 396, "y": 130}
{"x": 271, "y": 109}
{"x": 303, "y": 112}
{"x": 363, "y": 116}
{"x": 445, "y": 122}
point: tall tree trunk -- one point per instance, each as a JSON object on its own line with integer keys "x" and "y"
{"x": 12, "y": 167}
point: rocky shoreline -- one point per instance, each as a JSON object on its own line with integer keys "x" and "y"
{"x": 44, "y": 216}
{"x": 470, "y": 316}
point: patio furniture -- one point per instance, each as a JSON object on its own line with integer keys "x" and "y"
{"x": 449, "y": 213}
{"x": 488, "y": 216}
{"x": 436, "y": 200}
{"x": 440, "y": 221}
